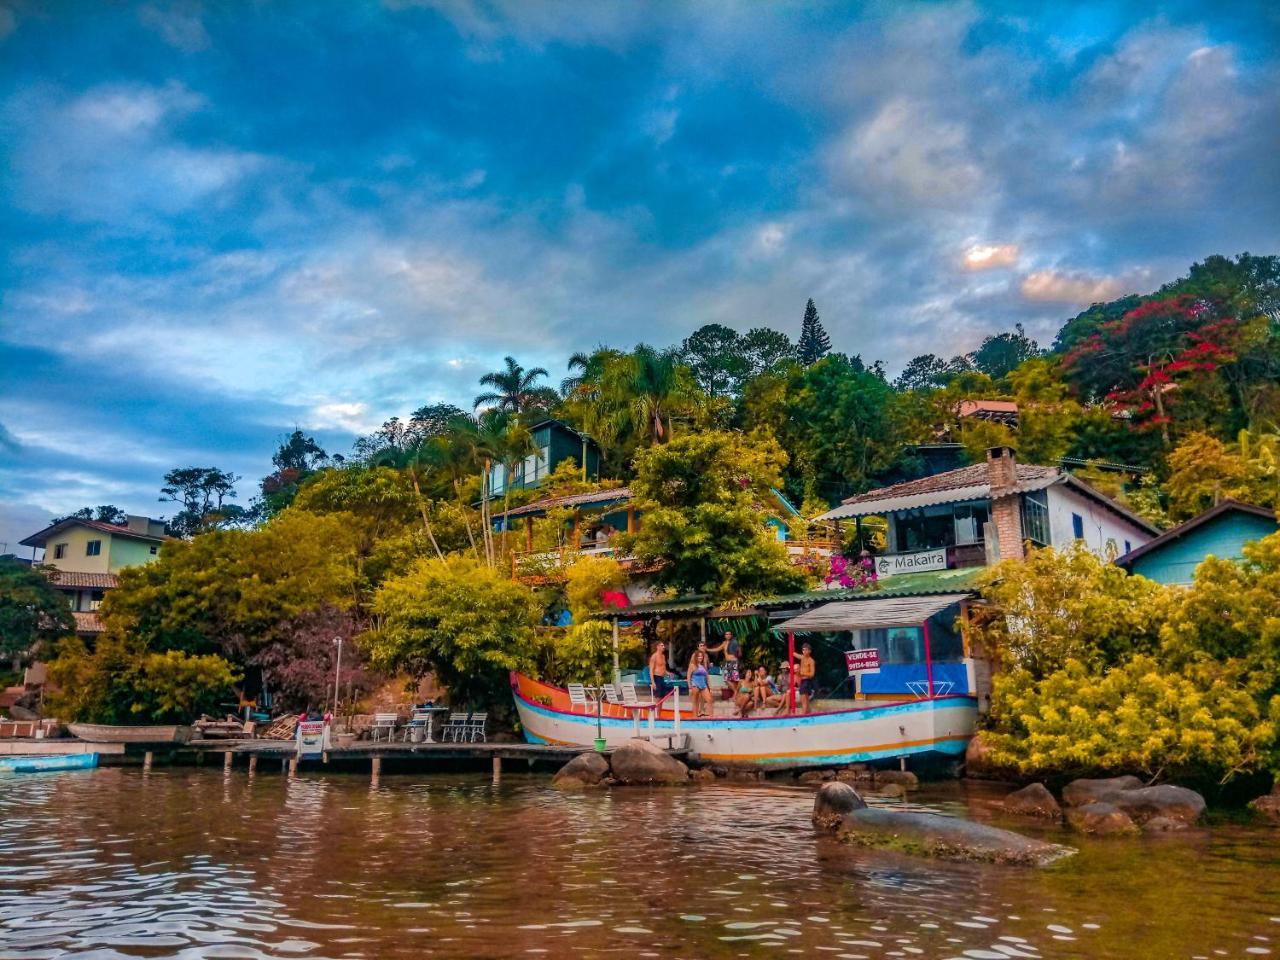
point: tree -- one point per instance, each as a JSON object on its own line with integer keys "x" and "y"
{"x": 298, "y": 667}
{"x": 1000, "y": 355}
{"x": 202, "y": 492}
{"x": 703, "y": 495}
{"x": 645, "y": 388}
{"x": 925, "y": 372}
{"x": 715, "y": 355}
{"x": 459, "y": 619}
{"x": 297, "y": 458}
{"x": 31, "y": 612}
{"x": 433, "y": 420}
{"x": 1205, "y": 471}
{"x": 107, "y": 513}
{"x": 515, "y": 389}
{"x": 766, "y": 351}
{"x": 814, "y": 343}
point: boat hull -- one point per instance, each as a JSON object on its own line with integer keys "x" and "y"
{"x": 108, "y": 733}
{"x": 880, "y": 731}
{"x": 50, "y": 763}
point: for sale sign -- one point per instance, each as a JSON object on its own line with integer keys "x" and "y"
{"x": 312, "y": 737}
{"x": 862, "y": 661}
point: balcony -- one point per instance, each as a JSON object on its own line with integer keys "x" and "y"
{"x": 538, "y": 567}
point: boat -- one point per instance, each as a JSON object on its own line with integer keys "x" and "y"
{"x": 110, "y": 733}
{"x": 49, "y": 762}
{"x": 864, "y": 732}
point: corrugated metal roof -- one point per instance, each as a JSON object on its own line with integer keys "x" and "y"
{"x": 910, "y": 502}
{"x": 868, "y": 614}
{"x": 951, "y": 486}
{"x": 961, "y": 581}
{"x": 594, "y": 498}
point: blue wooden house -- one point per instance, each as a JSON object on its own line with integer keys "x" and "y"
{"x": 554, "y": 442}
{"x": 1221, "y": 531}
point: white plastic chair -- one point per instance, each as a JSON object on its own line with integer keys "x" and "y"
{"x": 455, "y": 728}
{"x": 476, "y": 727}
{"x": 611, "y": 694}
{"x": 578, "y": 696}
{"x": 384, "y": 722}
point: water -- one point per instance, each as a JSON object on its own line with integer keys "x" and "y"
{"x": 186, "y": 863}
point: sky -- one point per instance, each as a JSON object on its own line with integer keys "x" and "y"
{"x": 225, "y": 220}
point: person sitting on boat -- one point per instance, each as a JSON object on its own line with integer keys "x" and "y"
{"x": 732, "y": 655}
{"x": 807, "y": 670}
{"x": 658, "y": 671}
{"x": 781, "y": 689}
{"x": 764, "y": 687}
{"x": 746, "y": 693}
{"x": 699, "y": 678}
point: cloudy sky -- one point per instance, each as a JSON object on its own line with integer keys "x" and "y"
{"x": 223, "y": 220}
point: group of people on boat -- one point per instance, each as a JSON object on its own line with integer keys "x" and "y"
{"x": 751, "y": 689}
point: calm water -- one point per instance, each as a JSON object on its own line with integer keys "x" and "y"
{"x": 185, "y": 863}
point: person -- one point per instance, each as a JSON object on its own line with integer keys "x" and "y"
{"x": 807, "y": 669}
{"x": 732, "y": 654}
{"x": 658, "y": 671}
{"x": 763, "y": 687}
{"x": 746, "y": 693}
{"x": 782, "y": 687}
{"x": 699, "y": 678}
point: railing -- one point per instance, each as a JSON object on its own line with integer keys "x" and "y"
{"x": 812, "y": 548}
{"x": 538, "y": 566}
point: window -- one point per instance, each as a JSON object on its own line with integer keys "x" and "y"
{"x": 93, "y": 548}
{"x": 1127, "y": 546}
{"x": 59, "y": 551}
{"x": 154, "y": 549}
{"x": 1035, "y": 518}
{"x": 1077, "y": 526}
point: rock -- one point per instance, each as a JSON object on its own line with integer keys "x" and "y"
{"x": 584, "y": 770}
{"x": 742, "y": 774}
{"x": 834, "y": 801}
{"x": 639, "y": 761}
{"x": 886, "y": 790}
{"x": 1033, "y": 801}
{"x": 1165, "y": 800}
{"x": 1163, "y": 825}
{"x": 1100, "y": 818}
{"x": 702, "y": 773}
{"x": 905, "y": 777}
{"x": 854, "y": 774}
{"x": 1079, "y": 792}
{"x": 838, "y": 808}
{"x": 977, "y": 758}
{"x": 816, "y": 776}
{"x": 1268, "y": 806}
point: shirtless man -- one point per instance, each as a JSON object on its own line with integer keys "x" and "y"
{"x": 806, "y": 670}
{"x": 658, "y": 671}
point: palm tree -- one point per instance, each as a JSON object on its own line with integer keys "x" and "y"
{"x": 515, "y": 389}
{"x": 648, "y": 388}
{"x": 592, "y": 367}
{"x": 493, "y": 437}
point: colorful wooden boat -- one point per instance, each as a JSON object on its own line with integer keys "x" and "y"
{"x": 49, "y": 762}
{"x": 110, "y": 733}
{"x": 863, "y": 732}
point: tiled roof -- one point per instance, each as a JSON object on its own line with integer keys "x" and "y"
{"x": 87, "y": 622}
{"x": 70, "y": 578}
{"x": 119, "y": 530}
{"x": 595, "y": 498}
{"x": 952, "y": 486}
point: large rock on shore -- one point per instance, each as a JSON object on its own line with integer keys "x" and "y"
{"x": 1033, "y": 801}
{"x": 838, "y": 808}
{"x": 585, "y": 770}
{"x": 1079, "y": 792}
{"x": 904, "y": 778}
{"x": 639, "y": 761}
{"x": 1269, "y": 806}
{"x": 1100, "y": 817}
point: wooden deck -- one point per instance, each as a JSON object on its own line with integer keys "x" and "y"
{"x": 368, "y": 750}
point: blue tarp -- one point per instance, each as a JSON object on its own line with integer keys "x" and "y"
{"x": 894, "y": 677}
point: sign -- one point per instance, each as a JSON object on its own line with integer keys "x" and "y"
{"x": 311, "y": 738}
{"x": 895, "y": 563}
{"x": 862, "y": 661}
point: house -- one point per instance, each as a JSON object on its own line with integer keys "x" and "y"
{"x": 976, "y": 515}
{"x": 556, "y": 442}
{"x": 1222, "y": 531}
{"x": 82, "y": 558}
{"x": 993, "y": 411}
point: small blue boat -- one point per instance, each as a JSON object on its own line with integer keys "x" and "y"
{"x": 49, "y": 763}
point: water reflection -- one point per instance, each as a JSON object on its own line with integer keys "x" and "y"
{"x": 187, "y": 863}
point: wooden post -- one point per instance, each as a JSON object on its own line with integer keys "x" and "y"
{"x": 284, "y": 765}
{"x": 376, "y": 766}
{"x": 617, "y": 674}
{"x": 497, "y": 768}
{"x": 146, "y": 761}
{"x": 253, "y": 764}
{"x": 631, "y": 520}
{"x": 528, "y": 534}
{"x": 226, "y": 762}
{"x": 293, "y": 766}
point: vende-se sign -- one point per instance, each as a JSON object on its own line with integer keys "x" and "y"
{"x": 892, "y": 563}
{"x": 862, "y": 661}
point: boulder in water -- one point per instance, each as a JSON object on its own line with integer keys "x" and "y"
{"x": 1033, "y": 801}
{"x": 1100, "y": 817}
{"x": 838, "y": 808}
{"x": 1164, "y": 801}
{"x": 1079, "y": 792}
{"x": 905, "y": 778}
{"x": 639, "y": 761}
{"x": 584, "y": 770}
{"x": 1269, "y": 805}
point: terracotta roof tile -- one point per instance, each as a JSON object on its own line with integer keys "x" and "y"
{"x": 70, "y": 578}
{"x": 87, "y": 622}
{"x": 963, "y": 478}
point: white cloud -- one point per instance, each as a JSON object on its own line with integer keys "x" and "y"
{"x": 353, "y": 417}
{"x": 178, "y": 24}
{"x": 988, "y": 256}
{"x": 1053, "y": 286}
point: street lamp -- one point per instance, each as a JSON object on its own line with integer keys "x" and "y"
{"x": 337, "y": 673}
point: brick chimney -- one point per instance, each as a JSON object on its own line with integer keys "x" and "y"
{"x": 1006, "y": 504}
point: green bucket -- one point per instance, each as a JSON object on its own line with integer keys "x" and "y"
{"x": 600, "y": 744}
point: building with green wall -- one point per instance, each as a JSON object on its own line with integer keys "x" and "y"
{"x": 1221, "y": 532}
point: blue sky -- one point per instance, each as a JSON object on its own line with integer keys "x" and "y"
{"x": 223, "y": 220}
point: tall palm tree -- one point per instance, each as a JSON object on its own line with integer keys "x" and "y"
{"x": 648, "y": 389}
{"x": 491, "y": 438}
{"x": 515, "y": 389}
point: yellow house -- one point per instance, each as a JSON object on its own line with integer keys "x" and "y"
{"x": 82, "y": 559}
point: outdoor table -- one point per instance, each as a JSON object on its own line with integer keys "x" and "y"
{"x": 635, "y": 708}
{"x": 429, "y": 714}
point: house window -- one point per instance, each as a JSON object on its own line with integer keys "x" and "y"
{"x": 59, "y": 551}
{"x": 1127, "y": 547}
{"x": 93, "y": 548}
{"x": 1035, "y": 518}
{"x": 1077, "y": 526}
{"x": 154, "y": 549}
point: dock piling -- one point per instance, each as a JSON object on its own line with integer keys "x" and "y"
{"x": 226, "y": 761}
{"x": 293, "y": 766}
{"x": 146, "y": 761}
{"x": 497, "y": 768}
{"x": 376, "y": 765}
{"x": 253, "y": 764}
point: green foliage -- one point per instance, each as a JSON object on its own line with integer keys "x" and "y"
{"x": 123, "y": 682}
{"x": 703, "y": 498}
{"x": 586, "y": 579}
{"x": 814, "y": 344}
{"x": 583, "y": 652}
{"x": 1205, "y": 471}
{"x": 31, "y": 611}
{"x": 459, "y": 619}
{"x": 202, "y": 493}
